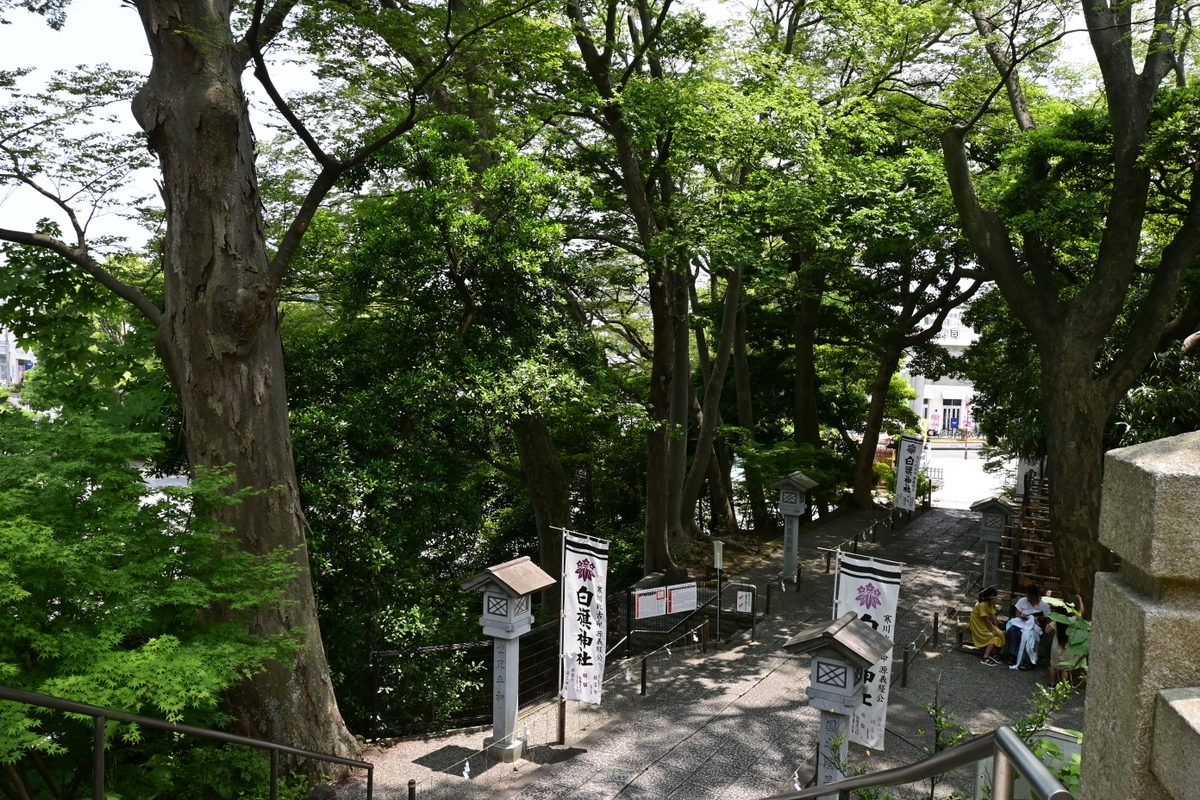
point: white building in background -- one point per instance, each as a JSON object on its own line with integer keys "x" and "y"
{"x": 14, "y": 359}
{"x": 946, "y": 404}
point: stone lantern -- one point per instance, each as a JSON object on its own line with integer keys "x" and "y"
{"x": 995, "y": 513}
{"x": 842, "y": 651}
{"x": 793, "y": 504}
{"x": 506, "y": 616}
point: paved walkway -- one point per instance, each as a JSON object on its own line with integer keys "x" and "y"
{"x": 735, "y": 723}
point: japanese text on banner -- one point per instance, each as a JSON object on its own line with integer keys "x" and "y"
{"x": 908, "y": 467}
{"x": 585, "y": 574}
{"x": 870, "y": 589}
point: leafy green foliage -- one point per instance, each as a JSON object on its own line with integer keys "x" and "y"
{"x": 1079, "y": 632}
{"x": 442, "y": 318}
{"x": 115, "y": 594}
{"x": 95, "y": 354}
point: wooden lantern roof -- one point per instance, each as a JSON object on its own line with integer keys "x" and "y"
{"x": 797, "y": 479}
{"x": 518, "y": 577}
{"x": 850, "y": 637}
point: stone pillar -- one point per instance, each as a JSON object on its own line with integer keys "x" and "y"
{"x": 793, "y": 504}
{"x": 791, "y": 545}
{"x": 1146, "y": 618}
{"x": 506, "y": 616}
{"x": 503, "y": 744}
{"x": 833, "y": 749}
{"x": 994, "y": 515}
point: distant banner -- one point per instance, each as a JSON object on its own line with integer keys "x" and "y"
{"x": 585, "y": 578}
{"x": 870, "y": 589}
{"x": 908, "y": 466}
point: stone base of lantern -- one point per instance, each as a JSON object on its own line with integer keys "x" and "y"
{"x": 506, "y": 752}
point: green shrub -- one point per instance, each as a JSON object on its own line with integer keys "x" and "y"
{"x": 111, "y": 595}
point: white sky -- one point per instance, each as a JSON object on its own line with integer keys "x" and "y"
{"x": 97, "y": 31}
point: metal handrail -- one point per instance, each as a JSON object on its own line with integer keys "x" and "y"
{"x": 1003, "y": 744}
{"x": 101, "y": 715}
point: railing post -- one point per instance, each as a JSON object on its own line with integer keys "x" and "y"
{"x": 628, "y": 623}
{"x": 754, "y": 611}
{"x": 375, "y": 680}
{"x": 719, "y": 605}
{"x": 904, "y": 668}
{"x": 935, "y": 630}
{"x": 828, "y": 556}
{"x": 274, "y": 790}
{"x": 855, "y": 545}
{"x": 412, "y": 789}
{"x": 643, "y": 691}
{"x": 1002, "y": 776}
{"x": 562, "y": 721}
{"x": 98, "y": 760}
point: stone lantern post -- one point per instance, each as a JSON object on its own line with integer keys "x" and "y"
{"x": 842, "y": 650}
{"x": 995, "y": 513}
{"x": 506, "y": 616}
{"x": 793, "y": 504}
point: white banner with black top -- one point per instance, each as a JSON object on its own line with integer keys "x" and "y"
{"x": 584, "y": 582}
{"x": 908, "y": 468}
{"x": 870, "y": 588}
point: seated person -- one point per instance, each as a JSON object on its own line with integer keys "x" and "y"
{"x": 1062, "y": 662}
{"x": 1030, "y": 620}
{"x": 985, "y": 630}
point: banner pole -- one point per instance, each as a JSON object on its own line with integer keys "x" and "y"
{"x": 837, "y": 580}
{"x": 562, "y": 621}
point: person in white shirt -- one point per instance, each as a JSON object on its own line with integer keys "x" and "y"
{"x": 1031, "y": 613}
{"x": 1032, "y": 604}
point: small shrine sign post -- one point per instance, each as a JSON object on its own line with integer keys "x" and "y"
{"x": 506, "y": 617}
{"x": 842, "y": 650}
{"x": 995, "y": 513}
{"x": 793, "y": 504}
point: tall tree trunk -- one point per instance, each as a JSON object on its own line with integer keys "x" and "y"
{"x": 811, "y": 285}
{"x": 724, "y": 517}
{"x": 714, "y": 385}
{"x": 1075, "y": 418}
{"x": 762, "y": 520}
{"x": 219, "y": 338}
{"x": 681, "y": 390}
{"x": 549, "y": 494}
{"x": 656, "y": 554}
{"x": 661, "y": 281}
{"x": 864, "y": 478}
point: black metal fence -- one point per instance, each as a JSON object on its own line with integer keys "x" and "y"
{"x": 718, "y": 602}
{"x": 430, "y": 689}
{"x": 101, "y": 716}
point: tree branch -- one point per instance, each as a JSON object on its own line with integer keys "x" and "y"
{"x": 989, "y": 237}
{"x": 254, "y": 46}
{"x": 332, "y": 169}
{"x": 79, "y": 257}
{"x": 1152, "y": 321}
{"x": 265, "y": 27}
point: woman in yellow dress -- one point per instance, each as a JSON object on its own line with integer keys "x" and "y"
{"x": 985, "y": 629}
